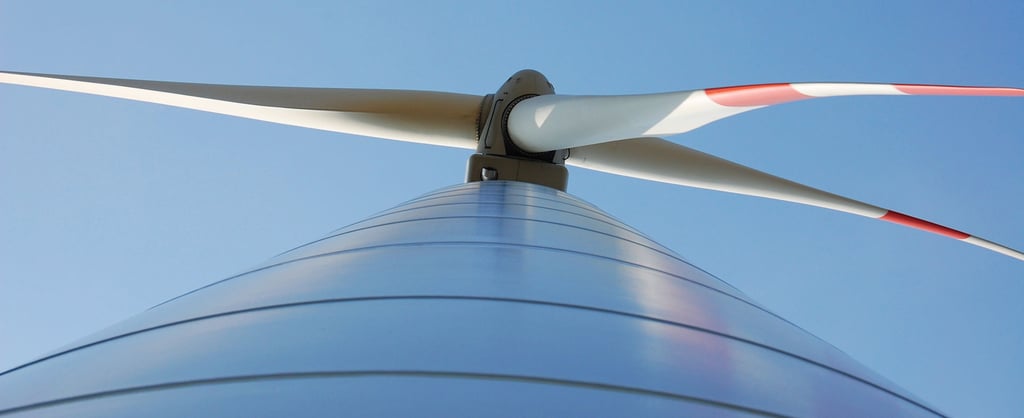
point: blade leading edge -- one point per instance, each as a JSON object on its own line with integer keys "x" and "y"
{"x": 551, "y": 122}
{"x": 435, "y": 118}
{"x": 660, "y": 160}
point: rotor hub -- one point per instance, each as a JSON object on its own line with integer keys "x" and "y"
{"x": 497, "y": 155}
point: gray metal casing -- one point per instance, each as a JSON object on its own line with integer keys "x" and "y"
{"x": 489, "y": 298}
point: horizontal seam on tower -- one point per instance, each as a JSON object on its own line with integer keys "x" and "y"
{"x": 462, "y": 190}
{"x": 482, "y": 298}
{"x": 342, "y": 231}
{"x": 374, "y": 373}
{"x": 457, "y": 243}
{"x": 422, "y": 199}
{"x": 460, "y": 194}
{"x": 433, "y": 218}
{"x": 463, "y": 243}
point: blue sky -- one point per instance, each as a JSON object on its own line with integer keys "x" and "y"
{"x": 108, "y": 207}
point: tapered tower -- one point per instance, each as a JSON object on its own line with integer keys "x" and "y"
{"x": 490, "y": 298}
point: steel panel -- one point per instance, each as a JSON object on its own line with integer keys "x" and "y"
{"x": 482, "y": 337}
{"x": 512, "y": 226}
{"x": 385, "y": 395}
{"x": 556, "y": 279}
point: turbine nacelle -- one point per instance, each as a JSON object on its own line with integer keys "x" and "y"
{"x": 498, "y": 156}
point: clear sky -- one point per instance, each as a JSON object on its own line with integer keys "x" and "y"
{"x": 108, "y": 207}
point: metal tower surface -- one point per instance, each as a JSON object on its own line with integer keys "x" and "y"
{"x": 490, "y": 298}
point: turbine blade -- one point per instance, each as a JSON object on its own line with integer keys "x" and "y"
{"x": 435, "y": 118}
{"x": 550, "y": 122}
{"x": 660, "y": 160}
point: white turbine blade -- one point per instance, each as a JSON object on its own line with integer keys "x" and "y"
{"x": 550, "y": 122}
{"x": 660, "y": 160}
{"x": 435, "y": 118}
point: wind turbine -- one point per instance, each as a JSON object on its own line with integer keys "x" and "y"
{"x": 718, "y": 351}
